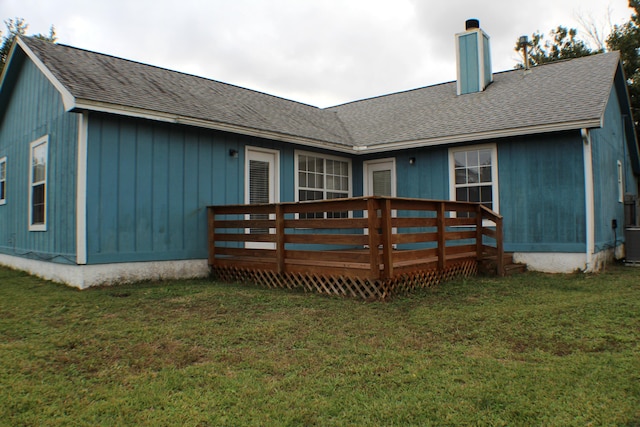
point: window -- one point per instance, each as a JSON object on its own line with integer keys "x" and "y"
{"x": 3, "y": 180}
{"x": 620, "y": 182}
{"x": 38, "y": 185}
{"x": 474, "y": 175}
{"x": 321, "y": 178}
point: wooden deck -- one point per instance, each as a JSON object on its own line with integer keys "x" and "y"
{"x": 368, "y": 247}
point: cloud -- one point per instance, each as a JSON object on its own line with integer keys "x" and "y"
{"x": 322, "y": 52}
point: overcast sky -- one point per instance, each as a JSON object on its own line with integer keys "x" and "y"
{"x": 320, "y": 52}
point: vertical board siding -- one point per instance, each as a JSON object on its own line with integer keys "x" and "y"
{"x": 469, "y": 71}
{"x": 149, "y": 184}
{"x": 608, "y": 147}
{"x": 542, "y": 196}
{"x": 35, "y": 109}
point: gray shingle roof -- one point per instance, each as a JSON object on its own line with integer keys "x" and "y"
{"x": 97, "y": 77}
{"x": 558, "y": 94}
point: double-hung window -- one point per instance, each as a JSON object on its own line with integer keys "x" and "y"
{"x": 3, "y": 180}
{"x": 38, "y": 184}
{"x": 474, "y": 175}
{"x": 322, "y": 177}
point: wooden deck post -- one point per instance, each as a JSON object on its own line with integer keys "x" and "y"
{"x": 441, "y": 236}
{"x": 280, "y": 238}
{"x": 387, "y": 245}
{"x": 211, "y": 228}
{"x": 500, "y": 247}
{"x": 479, "y": 245}
{"x": 372, "y": 217}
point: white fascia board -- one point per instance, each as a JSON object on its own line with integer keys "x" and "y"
{"x": 473, "y": 137}
{"x": 68, "y": 99}
{"x": 207, "y": 124}
{"x": 307, "y": 142}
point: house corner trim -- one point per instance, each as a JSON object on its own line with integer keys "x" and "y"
{"x": 81, "y": 190}
{"x": 589, "y": 199}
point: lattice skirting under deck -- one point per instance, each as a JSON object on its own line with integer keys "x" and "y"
{"x": 355, "y": 287}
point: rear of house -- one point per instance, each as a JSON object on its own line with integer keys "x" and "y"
{"x": 107, "y": 165}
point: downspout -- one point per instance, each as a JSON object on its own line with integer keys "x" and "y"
{"x": 589, "y": 199}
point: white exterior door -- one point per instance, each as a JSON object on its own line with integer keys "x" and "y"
{"x": 380, "y": 180}
{"x": 262, "y": 184}
{"x": 380, "y": 177}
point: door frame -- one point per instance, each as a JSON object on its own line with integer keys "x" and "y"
{"x": 274, "y": 192}
{"x": 369, "y": 166}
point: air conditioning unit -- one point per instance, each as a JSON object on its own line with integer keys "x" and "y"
{"x": 632, "y": 245}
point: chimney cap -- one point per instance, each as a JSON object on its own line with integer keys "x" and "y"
{"x": 471, "y": 23}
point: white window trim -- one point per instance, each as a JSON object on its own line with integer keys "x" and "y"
{"x": 276, "y": 170}
{"x": 494, "y": 172}
{"x": 368, "y": 164}
{"x": 37, "y": 142}
{"x": 620, "y": 182}
{"x": 296, "y": 155}
{"x": 3, "y": 201}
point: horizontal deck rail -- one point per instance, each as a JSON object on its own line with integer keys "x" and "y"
{"x": 370, "y": 238}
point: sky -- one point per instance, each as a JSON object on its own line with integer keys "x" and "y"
{"x": 319, "y": 52}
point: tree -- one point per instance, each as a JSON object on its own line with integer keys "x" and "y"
{"x": 626, "y": 39}
{"x": 17, "y": 27}
{"x": 564, "y": 44}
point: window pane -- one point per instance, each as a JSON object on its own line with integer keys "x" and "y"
{"x": 2, "y": 184}
{"x": 485, "y": 174}
{"x": 485, "y": 194}
{"x": 306, "y": 195}
{"x": 473, "y": 175}
{"x": 461, "y": 176}
{"x": 37, "y": 204}
{"x": 330, "y": 167}
{"x": 39, "y": 165}
{"x": 460, "y": 159}
{"x": 462, "y": 194}
{"x": 474, "y": 194}
{"x": 472, "y": 158}
{"x": 484, "y": 157}
{"x": 3, "y": 170}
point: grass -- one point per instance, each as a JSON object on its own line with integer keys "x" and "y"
{"x": 532, "y": 349}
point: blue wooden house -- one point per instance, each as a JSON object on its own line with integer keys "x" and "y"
{"x": 107, "y": 165}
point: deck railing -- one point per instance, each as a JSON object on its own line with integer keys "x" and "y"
{"x": 374, "y": 238}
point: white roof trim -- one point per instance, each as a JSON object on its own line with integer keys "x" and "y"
{"x": 67, "y": 99}
{"x": 358, "y": 149}
{"x": 207, "y": 124}
{"x": 472, "y": 137}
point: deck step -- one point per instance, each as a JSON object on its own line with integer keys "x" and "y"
{"x": 488, "y": 265}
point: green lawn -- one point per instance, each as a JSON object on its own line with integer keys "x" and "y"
{"x": 532, "y": 349}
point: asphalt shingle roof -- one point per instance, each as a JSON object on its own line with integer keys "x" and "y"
{"x": 570, "y": 91}
{"x": 103, "y": 78}
{"x": 560, "y": 92}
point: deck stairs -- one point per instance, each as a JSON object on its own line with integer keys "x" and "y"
{"x": 488, "y": 266}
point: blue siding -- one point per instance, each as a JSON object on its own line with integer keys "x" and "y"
{"x": 487, "y": 60}
{"x": 469, "y": 63}
{"x": 608, "y": 147}
{"x": 149, "y": 184}
{"x": 33, "y": 109}
{"x": 542, "y": 196}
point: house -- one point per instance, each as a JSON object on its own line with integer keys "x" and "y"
{"x": 107, "y": 165}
